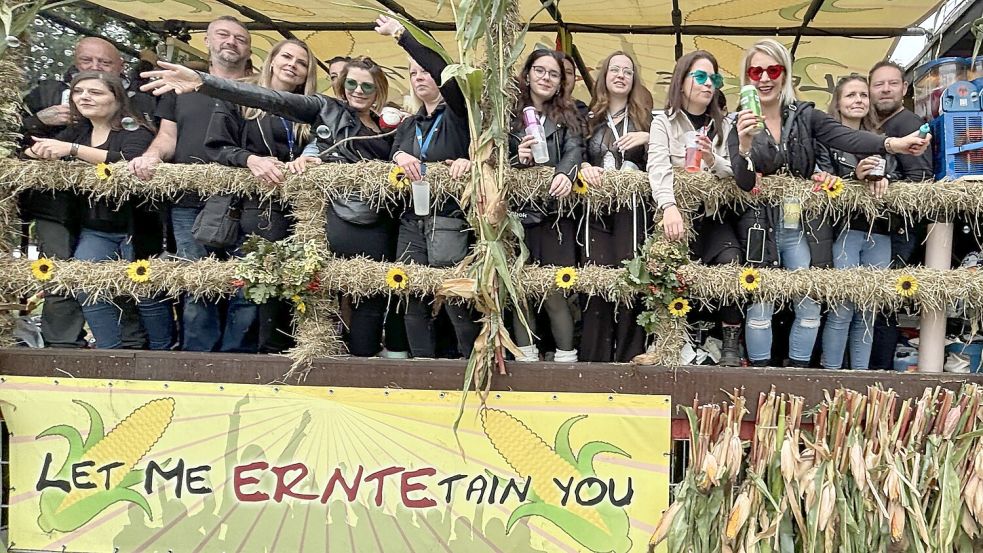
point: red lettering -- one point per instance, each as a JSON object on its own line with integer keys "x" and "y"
{"x": 406, "y": 487}
{"x": 283, "y": 488}
{"x": 238, "y": 481}
{"x": 350, "y": 491}
{"x": 381, "y": 475}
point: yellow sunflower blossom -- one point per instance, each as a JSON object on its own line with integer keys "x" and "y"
{"x": 679, "y": 307}
{"x": 396, "y": 279}
{"x": 139, "y": 271}
{"x": 906, "y": 286}
{"x": 834, "y": 188}
{"x": 750, "y": 279}
{"x": 103, "y": 171}
{"x": 566, "y": 277}
{"x": 580, "y": 185}
{"x": 299, "y": 303}
{"x": 398, "y": 178}
{"x": 43, "y": 269}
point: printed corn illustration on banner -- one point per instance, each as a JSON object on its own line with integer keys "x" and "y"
{"x": 103, "y": 466}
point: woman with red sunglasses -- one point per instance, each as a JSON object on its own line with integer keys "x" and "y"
{"x": 773, "y": 236}
{"x": 693, "y": 110}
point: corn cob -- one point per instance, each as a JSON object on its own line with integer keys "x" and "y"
{"x": 531, "y": 457}
{"x": 127, "y": 443}
{"x": 662, "y": 530}
{"x": 738, "y": 516}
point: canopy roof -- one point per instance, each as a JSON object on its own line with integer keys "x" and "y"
{"x": 835, "y": 37}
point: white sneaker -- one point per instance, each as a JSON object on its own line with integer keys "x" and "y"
{"x": 386, "y": 354}
{"x": 956, "y": 363}
{"x": 565, "y": 356}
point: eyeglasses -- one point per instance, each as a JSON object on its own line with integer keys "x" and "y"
{"x": 352, "y": 84}
{"x": 538, "y": 71}
{"x": 773, "y": 71}
{"x": 616, "y": 70}
{"x": 701, "y": 77}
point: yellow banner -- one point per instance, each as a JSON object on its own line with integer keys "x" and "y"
{"x": 103, "y": 466}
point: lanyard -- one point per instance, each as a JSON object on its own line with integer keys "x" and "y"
{"x": 614, "y": 128}
{"x": 290, "y": 137}
{"x": 425, "y": 143}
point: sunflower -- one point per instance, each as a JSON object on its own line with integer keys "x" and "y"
{"x": 834, "y": 187}
{"x": 565, "y": 277}
{"x": 103, "y": 171}
{"x": 396, "y": 279}
{"x": 299, "y": 303}
{"x": 139, "y": 271}
{"x": 906, "y": 286}
{"x": 580, "y": 185}
{"x": 43, "y": 269}
{"x": 679, "y": 307}
{"x": 398, "y": 178}
{"x": 750, "y": 279}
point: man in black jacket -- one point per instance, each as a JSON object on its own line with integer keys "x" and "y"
{"x": 887, "y": 91}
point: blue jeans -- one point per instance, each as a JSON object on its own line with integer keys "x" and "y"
{"x": 853, "y": 248}
{"x": 104, "y": 317}
{"x": 201, "y": 326}
{"x": 793, "y": 252}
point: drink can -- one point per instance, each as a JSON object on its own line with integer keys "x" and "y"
{"x": 752, "y": 101}
{"x": 877, "y": 173}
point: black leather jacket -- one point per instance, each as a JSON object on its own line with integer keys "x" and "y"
{"x": 844, "y": 164}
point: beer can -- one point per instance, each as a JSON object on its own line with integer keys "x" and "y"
{"x": 752, "y": 101}
{"x": 877, "y": 173}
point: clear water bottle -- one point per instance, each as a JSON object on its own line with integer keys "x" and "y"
{"x": 421, "y": 193}
{"x": 540, "y": 154}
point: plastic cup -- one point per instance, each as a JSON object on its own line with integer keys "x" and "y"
{"x": 421, "y": 198}
{"x": 792, "y": 213}
{"x": 694, "y": 156}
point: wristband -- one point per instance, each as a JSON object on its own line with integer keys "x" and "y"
{"x": 75, "y": 150}
{"x": 667, "y": 205}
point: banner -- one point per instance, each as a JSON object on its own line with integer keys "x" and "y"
{"x": 103, "y": 466}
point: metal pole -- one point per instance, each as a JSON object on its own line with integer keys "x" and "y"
{"x": 931, "y": 336}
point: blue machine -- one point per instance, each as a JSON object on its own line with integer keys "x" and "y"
{"x": 961, "y": 96}
{"x": 957, "y": 142}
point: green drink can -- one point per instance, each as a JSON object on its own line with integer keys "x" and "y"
{"x": 750, "y": 100}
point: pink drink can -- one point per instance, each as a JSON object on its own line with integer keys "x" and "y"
{"x": 694, "y": 156}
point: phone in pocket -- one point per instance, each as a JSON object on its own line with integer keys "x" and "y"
{"x": 755, "y": 252}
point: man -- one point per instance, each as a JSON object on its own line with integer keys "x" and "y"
{"x": 57, "y": 215}
{"x": 181, "y": 139}
{"x": 336, "y": 65}
{"x": 887, "y": 91}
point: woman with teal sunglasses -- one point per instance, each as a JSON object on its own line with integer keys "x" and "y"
{"x": 693, "y": 112}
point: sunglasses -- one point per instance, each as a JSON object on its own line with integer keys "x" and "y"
{"x": 701, "y": 77}
{"x": 352, "y": 84}
{"x": 773, "y": 71}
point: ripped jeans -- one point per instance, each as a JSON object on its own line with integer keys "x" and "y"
{"x": 793, "y": 252}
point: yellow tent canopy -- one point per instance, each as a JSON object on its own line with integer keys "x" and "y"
{"x": 834, "y": 37}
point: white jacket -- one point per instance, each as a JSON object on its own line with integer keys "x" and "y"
{"x": 667, "y": 149}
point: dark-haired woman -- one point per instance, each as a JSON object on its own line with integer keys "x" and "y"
{"x": 99, "y": 104}
{"x": 861, "y": 241}
{"x": 787, "y": 145}
{"x": 693, "y": 112}
{"x": 550, "y": 237}
{"x": 249, "y": 137}
{"x": 617, "y": 134}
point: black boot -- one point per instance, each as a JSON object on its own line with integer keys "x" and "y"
{"x": 762, "y": 363}
{"x": 796, "y": 364}
{"x": 730, "y": 351}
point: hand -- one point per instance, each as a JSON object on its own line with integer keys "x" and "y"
{"x": 822, "y": 179}
{"x": 592, "y": 175}
{"x": 409, "y": 164}
{"x": 747, "y": 121}
{"x": 55, "y": 116}
{"x": 911, "y": 144}
{"x": 172, "y": 77}
{"x": 865, "y": 166}
{"x": 300, "y": 164}
{"x": 561, "y": 186}
{"x": 387, "y": 26}
{"x": 632, "y": 140}
{"x": 266, "y": 169}
{"x": 525, "y": 150}
{"x": 672, "y": 223}
{"x": 706, "y": 146}
{"x": 49, "y": 148}
{"x": 459, "y": 168}
{"x": 144, "y": 166}
{"x": 878, "y": 188}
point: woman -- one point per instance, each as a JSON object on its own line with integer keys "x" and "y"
{"x": 862, "y": 241}
{"x": 693, "y": 109}
{"x": 438, "y": 132}
{"x": 550, "y": 237}
{"x": 570, "y": 72}
{"x": 767, "y": 239}
{"x": 346, "y": 132}
{"x": 99, "y": 106}
{"x": 616, "y": 138}
{"x": 249, "y": 137}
